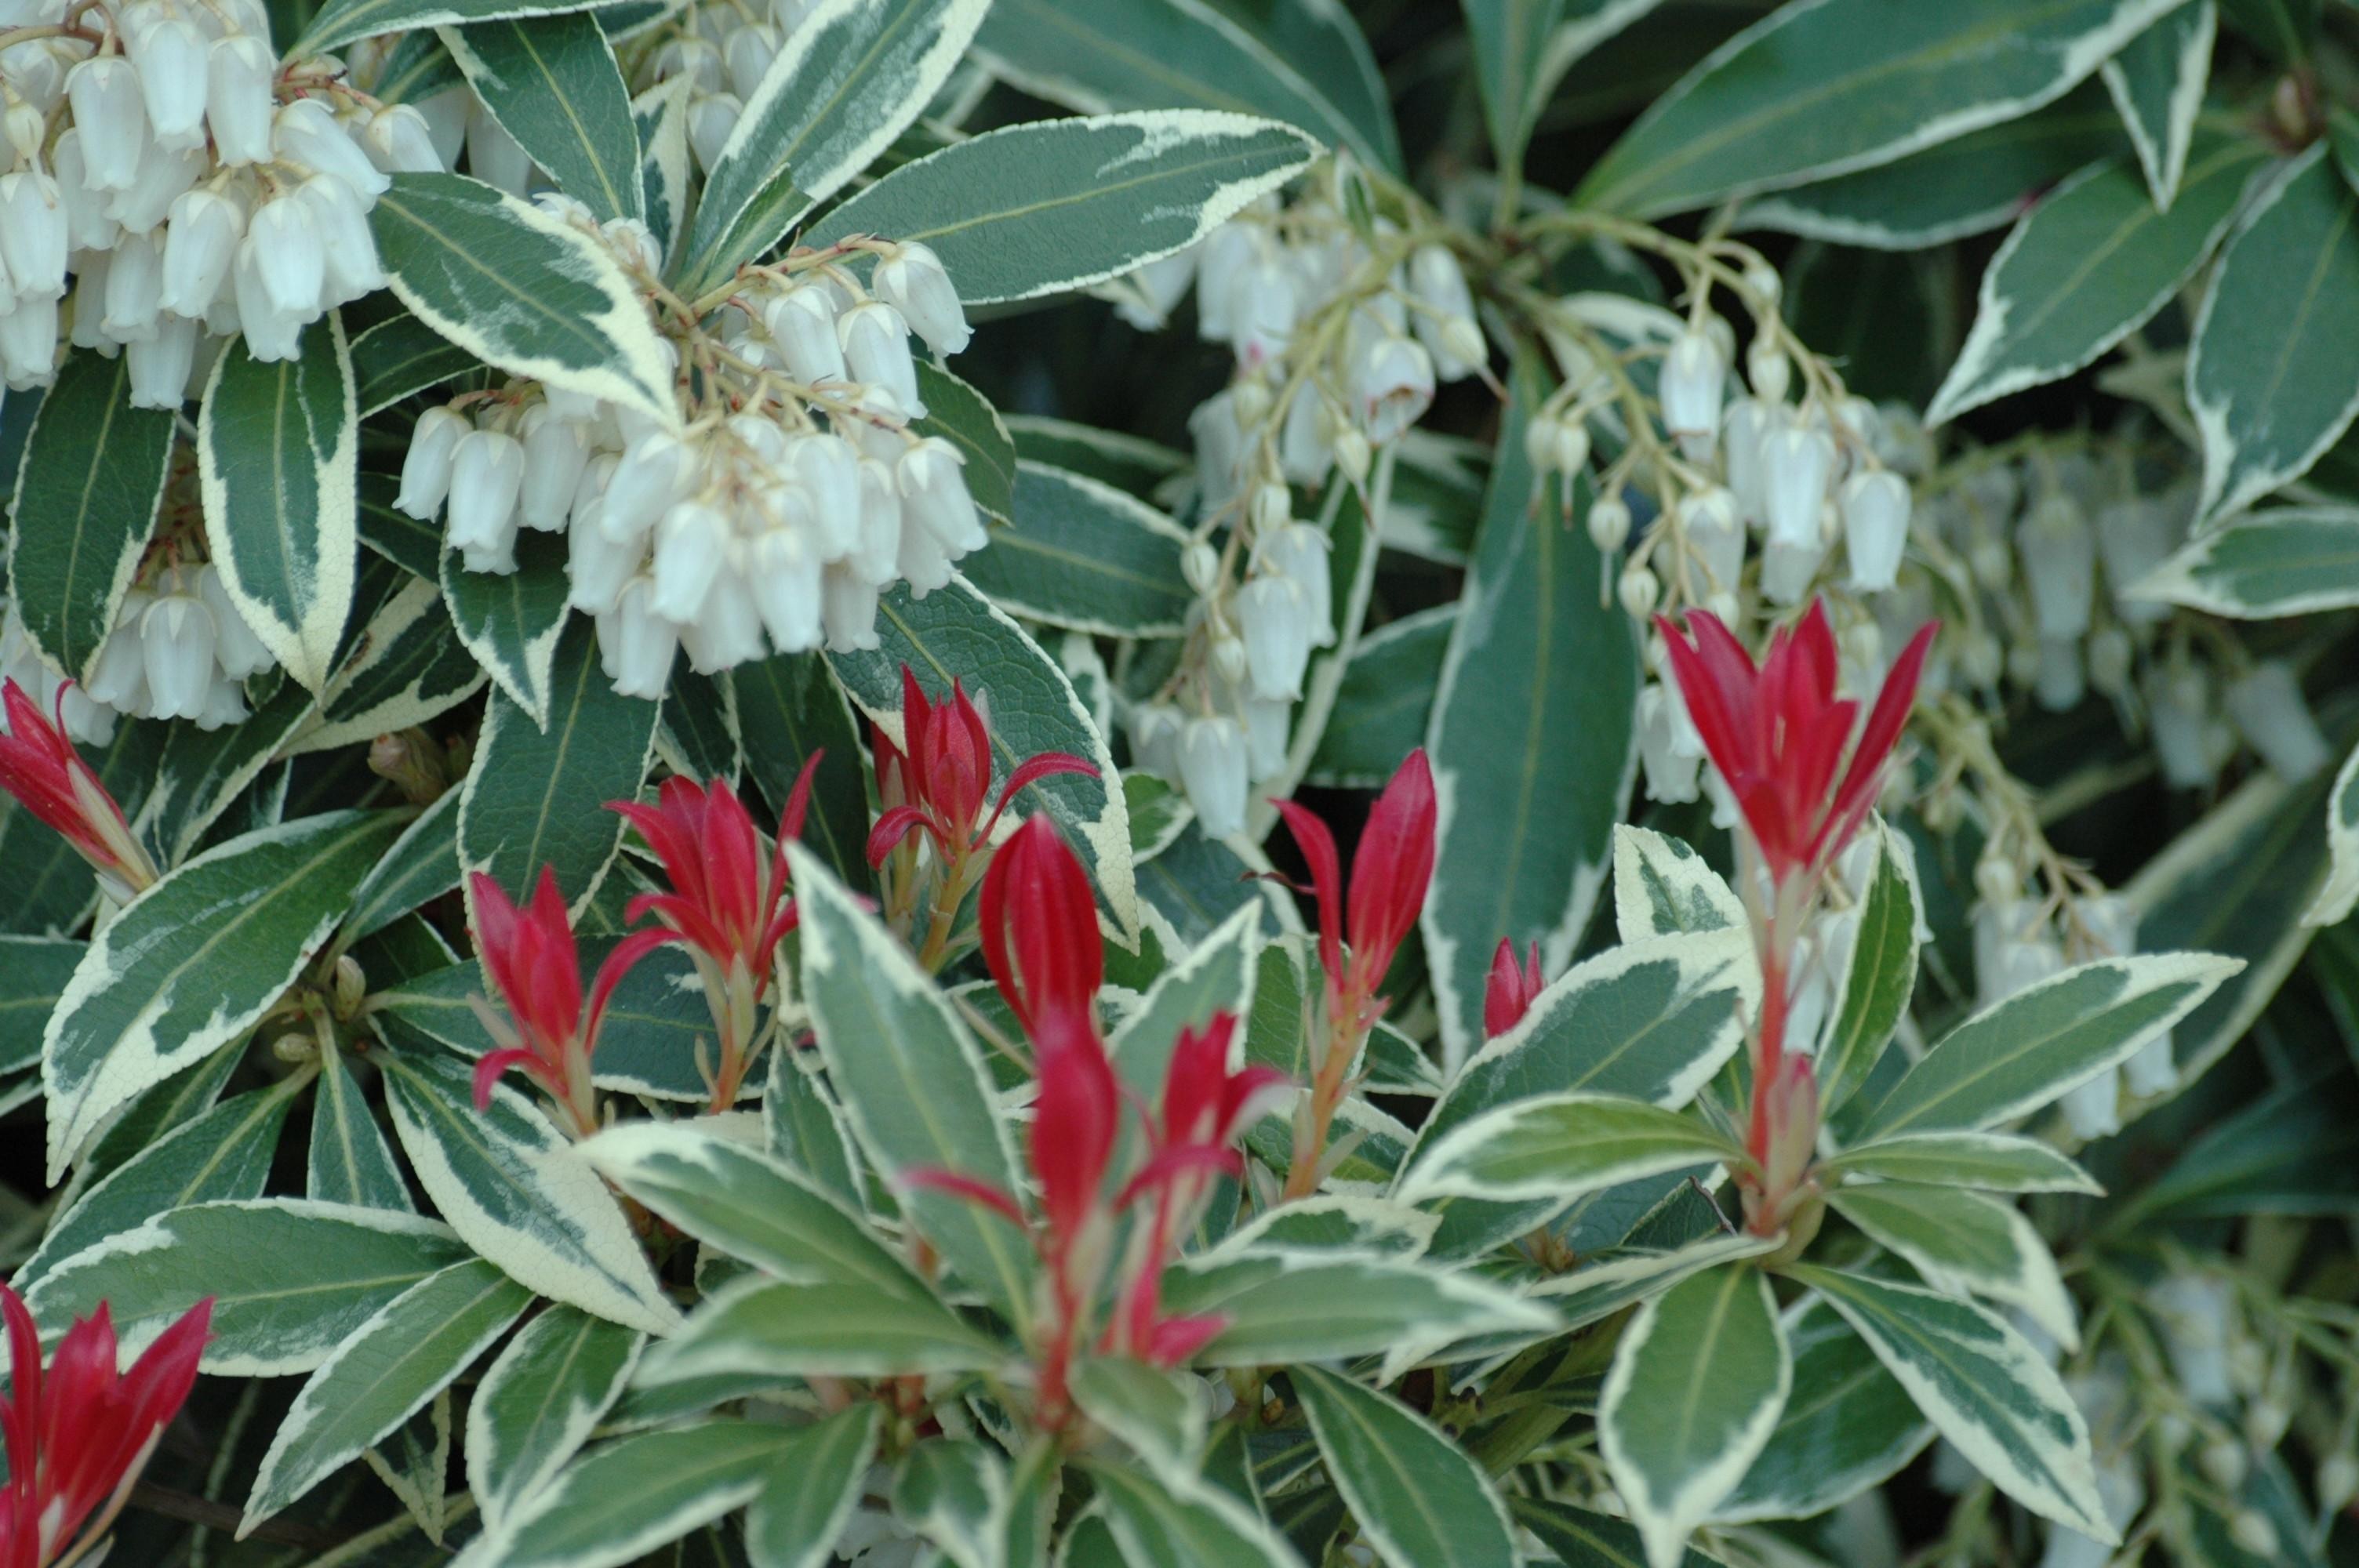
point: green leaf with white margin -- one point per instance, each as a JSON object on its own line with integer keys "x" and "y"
{"x": 223, "y": 1153}
{"x": 795, "y": 1518}
{"x": 2287, "y": 560}
{"x": 911, "y": 1080}
{"x": 2009, "y": 1060}
{"x": 422, "y": 865}
{"x": 552, "y": 83}
{"x": 764, "y": 1328}
{"x": 390, "y": 1367}
{"x": 194, "y": 961}
{"x": 1663, "y": 888}
{"x": 965, "y": 419}
{"x": 1216, "y": 977}
{"x": 1822, "y": 87}
{"x": 1559, "y": 1146}
{"x": 946, "y": 1491}
{"x": 1081, "y": 555}
{"x": 34, "y": 971}
{"x": 520, "y": 289}
{"x": 413, "y": 1461}
{"x": 1383, "y": 703}
{"x": 85, "y": 494}
{"x": 2339, "y": 891}
{"x": 1697, "y": 1385}
{"x": 1050, "y": 206}
{"x": 278, "y": 456}
{"x": 537, "y": 794}
{"x": 1532, "y": 739}
{"x": 851, "y": 76}
{"x": 788, "y": 709}
{"x": 511, "y": 620}
{"x": 342, "y": 21}
{"x": 1651, "y": 1020}
{"x": 1879, "y": 974}
{"x": 540, "y": 1402}
{"x": 1285, "y": 1304}
{"x": 1420, "y": 1501}
{"x": 290, "y": 1279}
{"x": 2158, "y": 83}
{"x": 1581, "y": 1538}
{"x": 1602, "y": 1287}
{"x": 1129, "y": 463}
{"x": 399, "y": 357}
{"x": 1176, "y": 54}
{"x": 1162, "y": 1415}
{"x": 2268, "y": 381}
{"x": 1157, "y": 1527}
{"x": 1965, "y": 1243}
{"x": 407, "y": 666}
{"x": 1983, "y": 1387}
{"x": 349, "y": 1160}
{"x": 1848, "y": 1425}
{"x": 958, "y": 633}
{"x": 619, "y": 1502}
{"x": 1991, "y": 1162}
{"x": 750, "y": 1205}
{"x": 660, "y": 114}
{"x": 2085, "y": 267}
{"x": 519, "y": 1194}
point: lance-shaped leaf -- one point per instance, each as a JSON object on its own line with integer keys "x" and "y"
{"x": 390, "y": 1367}
{"x": 399, "y": 357}
{"x": 912, "y": 1081}
{"x": 342, "y": 21}
{"x": 1420, "y": 1501}
{"x": 1827, "y": 86}
{"x": 1696, "y": 1388}
{"x": 1051, "y": 206}
{"x": 1162, "y": 1415}
{"x": 1878, "y": 976}
{"x": 1662, "y": 888}
{"x": 1300, "y": 1305}
{"x": 1848, "y": 1425}
{"x": 1603, "y": 1286}
{"x": 1581, "y": 1539}
{"x": 2339, "y": 891}
{"x": 520, "y": 289}
{"x": 633, "y": 1494}
{"x": 278, "y": 457}
{"x": 290, "y": 1279}
{"x": 2287, "y": 560}
{"x": 1994, "y": 1162}
{"x": 795, "y": 1518}
{"x": 1965, "y": 1243}
{"x": 537, "y": 794}
{"x": 511, "y": 1186}
{"x": 33, "y": 974}
{"x": 1983, "y": 1387}
{"x": 85, "y": 495}
{"x": 1155, "y": 1525}
{"x": 349, "y": 1160}
{"x": 421, "y": 866}
{"x": 1188, "y": 54}
{"x": 1532, "y": 740}
{"x": 540, "y": 1402}
{"x": 1217, "y": 977}
{"x": 661, "y": 115}
{"x": 2009, "y": 1060}
{"x": 2087, "y": 267}
{"x": 552, "y": 83}
{"x": 946, "y": 1491}
{"x": 789, "y": 709}
{"x": 2158, "y": 82}
{"x": 406, "y": 667}
{"x": 965, "y": 419}
{"x": 194, "y": 961}
{"x": 1384, "y": 704}
{"x": 780, "y": 1331}
{"x": 2266, "y": 379}
{"x": 851, "y": 77}
{"x": 1559, "y": 1146}
{"x": 1083, "y": 555}
{"x": 511, "y": 620}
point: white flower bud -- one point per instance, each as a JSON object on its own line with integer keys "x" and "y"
{"x": 1670, "y": 770}
{"x": 1200, "y": 565}
{"x": 486, "y": 473}
{"x": 291, "y": 263}
{"x": 170, "y": 54}
{"x": 787, "y": 587}
{"x": 1539, "y": 444}
{"x": 2338, "y": 1481}
{"x": 1299, "y": 551}
{"x": 1708, "y": 517}
{"x": 134, "y": 284}
{"x": 691, "y": 546}
{"x": 1609, "y": 522}
{"x": 1638, "y": 591}
{"x": 597, "y": 565}
{"x": 1228, "y": 659}
{"x": 1213, "y": 768}
{"x": 346, "y": 245}
{"x": 645, "y": 643}
{"x": 2059, "y": 565}
{"x": 399, "y": 140}
{"x": 1769, "y": 371}
{"x": 236, "y": 649}
{"x": 199, "y": 244}
{"x": 1275, "y": 619}
{"x": 1436, "y": 283}
{"x": 1394, "y": 388}
{"x": 555, "y": 453}
{"x": 88, "y": 225}
{"x": 161, "y": 362}
{"x": 239, "y": 97}
{"x": 1271, "y": 509}
{"x": 2251, "y": 1531}
{"x": 649, "y": 478}
{"x": 934, "y": 495}
{"x": 1876, "y": 527}
{"x": 874, "y": 559}
{"x": 847, "y": 608}
{"x": 29, "y": 344}
{"x": 2268, "y": 710}
{"x": 801, "y": 323}
{"x": 912, "y": 281}
{"x": 876, "y": 348}
{"x": 1690, "y": 389}
{"x": 728, "y": 632}
{"x": 111, "y": 115}
{"x": 1351, "y": 454}
{"x": 33, "y": 234}
{"x": 177, "y": 637}
{"x": 2111, "y": 656}
{"x": 922, "y": 562}
{"x": 426, "y": 468}
{"x": 1795, "y": 462}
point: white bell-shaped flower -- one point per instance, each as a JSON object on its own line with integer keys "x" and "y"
{"x": 1263, "y": 305}
{"x": 425, "y": 467}
{"x": 1876, "y": 527}
{"x": 653, "y": 472}
{"x": 134, "y": 283}
{"x": 2093, "y": 1109}
{"x": 163, "y": 178}
{"x": 1306, "y": 448}
{"x": 597, "y": 565}
{"x": 224, "y": 704}
{"x": 787, "y": 575}
{"x": 239, "y": 98}
{"x": 692, "y": 547}
{"x": 847, "y": 608}
{"x": 1708, "y": 518}
{"x": 177, "y": 638}
{"x": 712, "y": 121}
{"x": 487, "y": 474}
{"x": 1156, "y": 289}
{"x": 2197, "y": 1312}
{"x": 346, "y": 245}
{"x": 747, "y": 56}
{"x": 88, "y": 225}
{"x": 1694, "y": 374}
{"x": 236, "y": 649}
{"x": 29, "y": 344}
{"x": 1219, "y": 440}
{"x": 1300, "y": 552}
{"x": 284, "y": 240}
{"x": 1393, "y": 387}
{"x": 1227, "y": 251}
{"x": 828, "y": 469}
{"x": 1438, "y": 285}
{"x": 119, "y": 680}
{"x": 922, "y": 562}
{"x": 934, "y": 495}
{"x": 305, "y": 132}
{"x": 1274, "y": 618}
{"x": 1267, "y": 727}
{"x": 876, "y": 558}
{"x": 1796, "y": 459}
{"x": 161, "y": 361}
{"x": 555, "y": 453}
{"x": 2059, "y": 565}
{"x": 398, "y": 140}
{"x": 2267, "y": 708}
{"x": 801, "y": 324}
{"x": 1154, "y": 730}
{"x": 1670, "y": 773}
{"x": 2062, "y": 680}
{"x": 170, "y": 53}
{"x": 199, "y": 244}
{"x": 111, "y": 112}
{"x": 33, "y": 234}
{"x": 2134, "y": 537}
{"x": 645, "y": 643}
{"x": 1212, "y": 770}
{"x": 877, "y": 350}
{"x": 2179, "y": 714}
{"x": 728, "y": 630}
{"x": 913, "y": 282}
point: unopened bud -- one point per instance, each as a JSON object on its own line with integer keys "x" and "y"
{"x": 1229, "y": 660}
{"x": 349, "y": 986}
{"x": 1539, "y": 444}
{"x": 1273, "y": 508}
{"x": 1763, "y": 279}
{"x": 1251, "y": 404}
{"x": 1463, "y": 340}
{"x": 2253, "y": 1532}
{"x": 1769, "y": 371}
{"x": 1201, "y": 565}
{"x": 1351, "y": 454}
{"x": 1609, "y": 522}
{"x": 1572, "y": 445}
{"x": 2338, "y": 1481}
{"x": 412, "y": 763}
{"x": 296, "y": 1047}
{"x": 2223, "y": 1460}
{"x": 1639, "y": 591}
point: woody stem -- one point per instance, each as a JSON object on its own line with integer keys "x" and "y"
{"x": 1326, "y": 1094}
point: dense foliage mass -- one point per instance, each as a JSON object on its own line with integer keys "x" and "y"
{"x": 1179, "y": 781}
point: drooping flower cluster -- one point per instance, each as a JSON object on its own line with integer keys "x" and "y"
{"x": 39, "y": 766}
{"x": 1779, "y": 737}
{"x": 1041, "y": 938}
{"x": 80, "y": 1431}
{"x": 792, "y": 492}
{"x": 164, "y": 168}
{"x": 723, "y": 50}
{"x": 1340, "y": 337}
